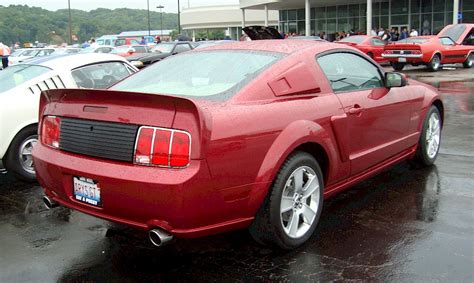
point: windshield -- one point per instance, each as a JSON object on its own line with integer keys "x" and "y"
{"x": 120, "y": 49}
{"x": 163, "y": 48}
{"x": 30, "y": 52}
{"x": 413, "y": 40}
{"x": 16, "y": 75}
{"x": 17, "y": 52}
{"x": 353, "y": 39}
{"x": 199, "y": 74}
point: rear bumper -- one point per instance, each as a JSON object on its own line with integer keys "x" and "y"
{"x": 181, "y": 201}
{"x": 411, "y": 56}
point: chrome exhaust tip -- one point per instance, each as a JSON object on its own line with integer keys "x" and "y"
{"x": 50, "y": 204}
{"x": 159, "y": 237}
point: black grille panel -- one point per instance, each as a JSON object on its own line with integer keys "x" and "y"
{"x": 402, "y": 52}
{"x": 98, "y": 139}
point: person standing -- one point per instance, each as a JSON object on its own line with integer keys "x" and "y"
{"x": 404, "y": 34}
{"x": 413, "y": 32}
{"x": 4, "y": 52}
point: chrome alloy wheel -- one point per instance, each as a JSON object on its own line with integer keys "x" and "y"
{"x": 299, "y": 202}
{"x": 25, "y": 154}
{"x": 433, "y": 133}
{"x": 470, "y": 60}
{"x": 435, "y": 62}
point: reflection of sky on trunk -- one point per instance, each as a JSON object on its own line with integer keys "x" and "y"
{"x": 170, "y": 5}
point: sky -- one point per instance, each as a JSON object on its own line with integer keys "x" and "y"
{"x": 170, "y": 5}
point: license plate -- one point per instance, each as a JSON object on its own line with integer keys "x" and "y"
{"x": 86, "y": 191}
{"x": 403, "y": 60}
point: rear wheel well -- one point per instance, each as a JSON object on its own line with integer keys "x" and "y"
{"x": 318, "y": 152}
{"x": 438, "y": 104}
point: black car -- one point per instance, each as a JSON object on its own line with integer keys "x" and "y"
{"x": 159, "y": 52}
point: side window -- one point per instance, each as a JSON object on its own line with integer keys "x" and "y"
{"x": 181, "y": 48}
{"x": 446, "y": 41}
{"x": 107, "y": 42}
{"x": 350, "y": 72}
{"x": 100, "y": 76}
{"x": 140, "y": 49}
{"x": 469, "y": 40}
{"x": 378, "y": 42}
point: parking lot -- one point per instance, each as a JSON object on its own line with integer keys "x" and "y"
{"x": 405, "y": 224}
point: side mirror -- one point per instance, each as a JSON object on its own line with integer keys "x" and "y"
{"x": 395, "y": 80}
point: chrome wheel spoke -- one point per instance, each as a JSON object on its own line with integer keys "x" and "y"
{"x": 293, "y": 224}
{"x": 298, "y": 180}
{"x": 286, "y": 204}
{"x": 308, "y": 214}
{"x": 311, "y": 187}
{"x": 433, "y": 133}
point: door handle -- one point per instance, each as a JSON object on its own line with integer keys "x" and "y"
{"x": 355, "y": 110}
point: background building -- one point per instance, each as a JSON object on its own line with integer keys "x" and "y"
{"x": 226, "y": 18}
{"x": 426, "y": 16}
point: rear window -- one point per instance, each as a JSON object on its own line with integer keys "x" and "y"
{"x": 16, "y": 75}
{"x": 353, "y": 39}
{"x": 413, "y": 40}
{"x": 200, "y": 74}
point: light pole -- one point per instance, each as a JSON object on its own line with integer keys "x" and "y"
{"x": 148, "y": 9}
{"x": 70, "y": 21}
{"x": 161, "y": 19}
{"x": 179, "y": 19}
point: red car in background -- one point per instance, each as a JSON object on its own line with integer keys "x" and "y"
{"x": 373, "y": 46}
{"x": 248, "y": 134}
{"x": 129, "y": 50}
{"x": 454, "y": 44}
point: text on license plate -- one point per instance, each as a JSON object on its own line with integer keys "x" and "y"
{"x": 87, "y": 191}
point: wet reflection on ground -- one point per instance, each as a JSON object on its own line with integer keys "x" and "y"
{"x": 405, "y": 224}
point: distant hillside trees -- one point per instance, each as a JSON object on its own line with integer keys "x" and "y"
{"x": 21, "y": 23}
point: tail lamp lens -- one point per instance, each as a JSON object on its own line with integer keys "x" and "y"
{"x": 417, "y": 52}
{"x": 388, "y": 52}
{"x": 50, "y": 131}
{"x": 162, "y": 147}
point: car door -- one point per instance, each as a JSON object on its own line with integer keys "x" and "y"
{"x": 378, "y": 46}
{"x": 451, "y": 52}
{"x": 377, "y": 118}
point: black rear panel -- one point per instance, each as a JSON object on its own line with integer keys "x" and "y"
{"x": 108, "y": 140}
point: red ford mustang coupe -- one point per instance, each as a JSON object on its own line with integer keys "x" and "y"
{"x": 373, "y": 46}
{"x": 248, "y": 134}
{"x": 454, "y": 44}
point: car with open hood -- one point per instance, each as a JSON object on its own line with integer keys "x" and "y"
{"x": 20, "y": 89}
{"x": 454, "y": 44}
{"x": 252, "y": 134}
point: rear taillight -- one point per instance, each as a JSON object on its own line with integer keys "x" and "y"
{"x": 416, "y": 52}
{"x": 162, "y": 147}
{"x": 50, "y": 131}
{"x": 388, "y": 52}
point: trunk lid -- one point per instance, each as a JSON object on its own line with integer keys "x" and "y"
{"x": 119, "y": 109}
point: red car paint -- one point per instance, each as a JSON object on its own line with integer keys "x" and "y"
{"x": 450, "y": 50}
{"x": 129, "y": 50}
{"x": 238, "y": 145}
{"x": 373, "y": 46}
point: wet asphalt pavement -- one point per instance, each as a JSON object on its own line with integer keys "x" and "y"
{"x": 405, "y": 224}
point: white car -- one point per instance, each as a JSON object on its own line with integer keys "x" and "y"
{"x": 20, "y": 89}
{"x": 98, "y": 49}
{"x": 27, "y": 54}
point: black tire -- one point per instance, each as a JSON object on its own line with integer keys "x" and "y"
{"x": 422, "y": 156}
{"x": 12, "y": 159}
{"x": 469, "y": 62}
{"x": 435, "y": 63}
{"x": 397, "y": 66}
{"x": 267, "y": 227}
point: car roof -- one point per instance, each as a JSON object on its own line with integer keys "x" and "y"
{"x": 276, "y": 45}
{"x": 72, "y": 61}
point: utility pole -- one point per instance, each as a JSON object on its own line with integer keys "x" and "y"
{"x": 179, "y": 19}
{"x": 148, "y": 8}
{"x": 161, "y": 19}
{"x": 70, "y": 21}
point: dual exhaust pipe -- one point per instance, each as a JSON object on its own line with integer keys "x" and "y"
{"x": 158, "y": 237}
